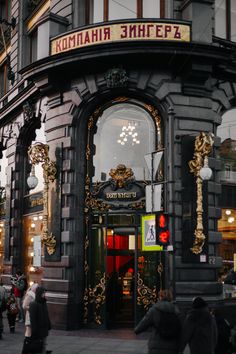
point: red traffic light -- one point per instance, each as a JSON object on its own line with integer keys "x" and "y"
{"x": 163, "y": 232}
{"x": 164, "y": 236}
{"x": 162, "y": 221}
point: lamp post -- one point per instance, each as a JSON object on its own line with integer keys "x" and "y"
{"x": 38, "y": 153}
{"x": 199, "y": 166}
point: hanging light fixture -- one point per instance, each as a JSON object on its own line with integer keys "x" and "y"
{"x": 32, "y": 180}
{"x": 128, "y": 134}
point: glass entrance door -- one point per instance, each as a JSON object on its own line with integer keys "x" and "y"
{"x": 120, "y": 270}
{"x": 122, "y": 280}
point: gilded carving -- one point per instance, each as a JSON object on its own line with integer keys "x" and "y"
{"x": 202, "y": 148}
{"x": 120, "y": 175}
{"x": 145, "y": 296}
{"x": 39, "y": 153}
{"x": 97, "y": 296}
{"x": 116, "y": 77}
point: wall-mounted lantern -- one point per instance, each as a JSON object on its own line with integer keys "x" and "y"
{"x": 32, "y": 180}
{"x": 38, "y": 153}
{"x": 199, "y": 166}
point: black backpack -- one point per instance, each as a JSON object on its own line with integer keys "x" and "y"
{"x": 169, "y": 326}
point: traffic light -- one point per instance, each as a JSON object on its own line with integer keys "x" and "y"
{"x": 162, "y": 228}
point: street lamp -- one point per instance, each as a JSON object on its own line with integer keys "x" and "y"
{"x": 32, "y": 180}
{"x": 205, "y": 172}
{"x": 199, "y": 167}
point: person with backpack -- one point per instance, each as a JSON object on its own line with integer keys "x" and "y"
{"x": 19, "y": 285}
{"x": 12, "y": 312}
{"x": 199, "y": 329}
{"x": 164, "y": 319}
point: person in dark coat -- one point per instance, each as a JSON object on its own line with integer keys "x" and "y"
{"x": 156, "y": 343}
{"x": 199, "y": 329}
{"x": 224, "y": 334}
{"x": 39, "y": 318}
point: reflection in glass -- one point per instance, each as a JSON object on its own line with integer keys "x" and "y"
{"x": 227, "y": 224}
{"x": 122, "y": 9}
{"x": 125, "y": 133}
{"x": 227, "y": 150}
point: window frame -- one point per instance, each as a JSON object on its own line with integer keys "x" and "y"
{"x": 4, "y": 78}
{"x": 227, "y": 18}
{"x": 139, "y": 10}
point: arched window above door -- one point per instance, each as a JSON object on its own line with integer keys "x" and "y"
{"x": 126, "y": 132}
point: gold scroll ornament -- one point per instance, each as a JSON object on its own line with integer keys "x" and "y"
{"x": 38, "y": 153}
{"x": 202, "y": 148}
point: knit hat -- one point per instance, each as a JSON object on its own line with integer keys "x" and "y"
{"x": 199, "y": 303}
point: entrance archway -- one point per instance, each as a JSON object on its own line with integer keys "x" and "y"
{"x": 121, "y": 280}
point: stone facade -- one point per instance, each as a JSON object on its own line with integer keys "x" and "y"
{"x": 190, "y": 84}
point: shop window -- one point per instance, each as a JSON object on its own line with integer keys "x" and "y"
{"x": 225, "y": 19}
{"x": 2, "y": 239}
{"x": 227, "y": 224}
{"x": 3, "y": 181}
{"x": 227, "y": 150}
{"x": 108, "y": 10}
{"x": 125, "y": 134}
{"x": 33, "y": 226}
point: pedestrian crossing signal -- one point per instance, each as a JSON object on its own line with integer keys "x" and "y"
{"x": 163, "y": 233}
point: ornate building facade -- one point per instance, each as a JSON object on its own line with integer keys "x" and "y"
{"x": 108, "y": 108}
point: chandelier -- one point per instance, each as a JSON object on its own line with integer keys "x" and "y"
{"x": 128, "y": 134}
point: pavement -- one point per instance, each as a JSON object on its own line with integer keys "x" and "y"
{"x": 83, "y": 341}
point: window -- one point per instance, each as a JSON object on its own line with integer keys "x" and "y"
{"x": 227, "y": 154}
{"x": 3, "y": 80}
{"x": 33, "y": 45}
{"x": 126, "y": 132}
{"x": 227, "y": 151}
{"x": 5, "y": 14}
{"x": 108, "y": 10}
{"x": 5, "y": 9}
{"x": 225, "y": 19}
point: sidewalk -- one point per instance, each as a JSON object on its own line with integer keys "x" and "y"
{"x": 84, "y": 341}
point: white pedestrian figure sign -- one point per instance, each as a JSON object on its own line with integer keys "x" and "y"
{"x": 151, "y": 234}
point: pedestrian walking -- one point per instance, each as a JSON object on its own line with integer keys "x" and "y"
{"x": 19, "y": 284}
{"x": 164, "y": 319}
{"x": 199, "y": 329}
{"x": 39, "y": 318}
{"x": 12, "y": 312}
{"x": 3, "y": 302}
{"x": 223, "y": 345}
{"x": 28, "y": 298}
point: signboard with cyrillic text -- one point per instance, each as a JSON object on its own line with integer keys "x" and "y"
{"x": 121, "y": 32}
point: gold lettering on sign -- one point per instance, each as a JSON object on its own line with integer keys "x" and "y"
{"x": 121, "y": 32}
{"x": 121, "y": 195}
{"x": 35, "y": 202}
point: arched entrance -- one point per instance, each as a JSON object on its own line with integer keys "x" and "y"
{"x": 121, "y": 280}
